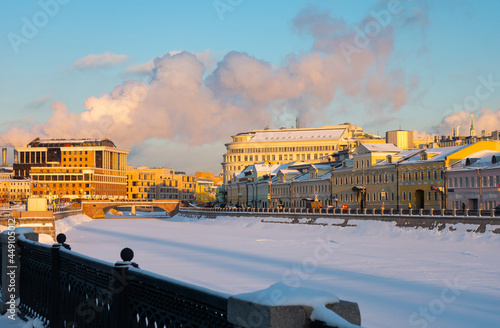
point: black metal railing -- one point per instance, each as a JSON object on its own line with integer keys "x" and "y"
{"x": 356, "y": 211}
{"x": 65, "y": 289}
{"x": 35, "y": 279}
{"x": 164, "y": 303}
{"x": 69, "y": 290}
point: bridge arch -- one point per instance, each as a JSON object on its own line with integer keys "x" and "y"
{"x": 96, "y": 208}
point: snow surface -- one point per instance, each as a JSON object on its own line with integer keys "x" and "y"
{"x": 399, "y": 277}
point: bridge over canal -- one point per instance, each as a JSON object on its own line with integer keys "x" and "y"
{"x": 98, "y": 208}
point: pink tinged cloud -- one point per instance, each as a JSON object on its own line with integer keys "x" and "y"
{"x": 106, "y": 59}
{"x": 181, "y": 103}
{"x": 485, "y": 119}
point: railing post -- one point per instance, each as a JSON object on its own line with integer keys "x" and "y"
{"x": 55, "y": 315}
{"x": 432, "y": 212}
{"x": 392, "y": 211}
{"x": 466, "y": 212}
{"x": 421, "y": 211}
{"x": 454, "y": 212}
{"x": 120, "y": 312}
{"x": 400, "y": 211}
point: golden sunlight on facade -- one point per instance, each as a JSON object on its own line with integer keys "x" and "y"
{"x": 73, "y": 168}
{"x": 286, "y": 145}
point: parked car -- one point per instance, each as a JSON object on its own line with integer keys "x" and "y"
{"x": 343, "y": 207}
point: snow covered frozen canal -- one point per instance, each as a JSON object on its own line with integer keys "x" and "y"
{"x": 399, "y": 277}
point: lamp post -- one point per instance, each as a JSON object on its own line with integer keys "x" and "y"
{"x": 269, "y": 195}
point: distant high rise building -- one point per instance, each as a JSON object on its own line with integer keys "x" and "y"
{"x": 73, "y": 168}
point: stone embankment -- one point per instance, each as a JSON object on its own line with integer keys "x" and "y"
{"x": 479, "y": 224}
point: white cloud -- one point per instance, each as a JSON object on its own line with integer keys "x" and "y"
{"x": 142, "y": 68}
{"x": 106, "y": 59}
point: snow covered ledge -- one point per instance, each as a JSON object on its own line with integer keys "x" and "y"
{"x": 283, "y": 306}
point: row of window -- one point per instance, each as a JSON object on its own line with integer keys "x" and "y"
{"x": 74, "y": 152}
{"x": 488, "y": 205}
{"x": 406, "y": 176}
{"x": 281, "y": 149}
{"x": 282, "y": 157}
{"x": 474, "y": 182}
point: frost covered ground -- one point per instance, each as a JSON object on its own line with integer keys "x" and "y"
{"x": 399, "y": 277}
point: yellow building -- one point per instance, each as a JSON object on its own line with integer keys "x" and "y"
{"x": 400, "y": 138}
{"x": 408, "y": 179}
{"x": 160, "y": 183}
{"x": 14, "y": 189}
{"x": 206, "y": 187}
{"x": 287, "y": 145}
{"x": 140, "y": 183}
{"x": 362, "y": 182}
{"x": 73, "y": 168}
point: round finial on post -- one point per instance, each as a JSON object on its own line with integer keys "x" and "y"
{"x": 127, "y": 254}
{"x": 61, "y": 238}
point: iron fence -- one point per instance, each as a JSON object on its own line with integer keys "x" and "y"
{"x": 69, "y": 290}
{"x": 65, "y": 289}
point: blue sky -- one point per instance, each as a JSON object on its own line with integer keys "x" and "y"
{"x": 246, "y": 65}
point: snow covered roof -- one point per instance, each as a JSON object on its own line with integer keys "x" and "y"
{"x": 201, "y": 180}
{"x": 298, "y": 135}
{"x": 322, "y": 167}
{"x": 83, "y": 142}
{"x": 442, "y": 152}
{"x": 480, "y": 159}
{"x": 379, "y": 147}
